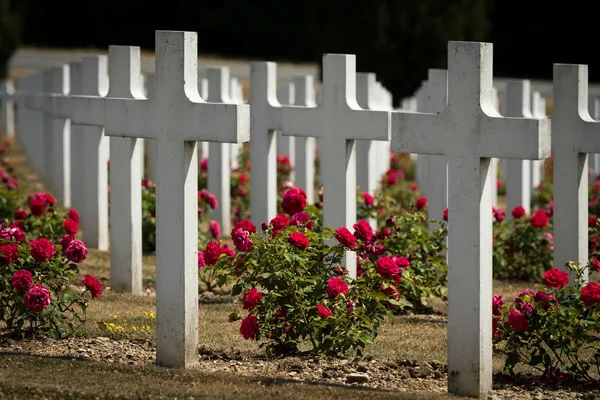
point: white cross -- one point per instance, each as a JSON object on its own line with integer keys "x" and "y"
{"x": 265, "y": 118}
{"x": 176, "y": 117}
{"x": 576, "y": 135}
{"x": 7, "y": 116}
{"x": 469, "y": 132}
{"x": 286, "y": 146}
{"x": 538, "y": 110}
{"x": 305, "y": 147}
{"x": 338, "y": 121}
{"x": 517, "y": 173}
{"x": 219, "y": 168}
{"x": 125, "y": 178}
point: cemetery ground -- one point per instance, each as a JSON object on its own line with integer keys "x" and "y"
{"x": 114, "y": 357}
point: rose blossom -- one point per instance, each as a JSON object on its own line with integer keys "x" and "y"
{"x": 20, "y": 214}
{"x": 344, "y": 236}
{"x": 499, "y": 215}
{"x": 363, "y": 231}
{"x": 336, "y": 286}
{"x": 249, "y": 327}
{"x": 518, "y": 321}
{"x": 421, "y": 203}
{"x": 298, "y": 240}
{"x": 212, "y": 253}
{"x": 76, "y": 251}
{"x": 37, "y": 298}
{"x": 539, "y": 219}
{"x": 227, "y": 251}
{"x": 592, "y": 221}
{"x": 246, "y": 225}
{"x": 497, "y": 303}
{"x": 204, "y": 164}
{"x": 368, "y": 199}
{"x": 241, "y": 240}
{"x": 64, "y": 242}
{"x": 278, "y": 223}
{"x": 42, "y": 249}
{"x": 518, "y": 212}
{"x": 590, "y": 294}
{"x": 251, "y": 299}
{"x": 37, "y": 204}
{"x": 49, "y": 199}
{"x": 73, "y": 214}
{"x": 71, "y": 226}
{"x": 556, "y": 278}
{"x": 294, "y": 201}
{"x": 215, "y": 229}
{"x": 201, "y": 263}
{"x": 12, "y": 233}
{"x": 301, "y": 218}
{"x": 446, "y": 214}
{"x": 595, "y": 264}
{"x": 323, "y": 311}
{"x": 21, "y": 280}
{"x": 386, "y": 267}
{"x": 93, "y": 285}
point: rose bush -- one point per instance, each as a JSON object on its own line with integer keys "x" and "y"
{"x": 36, "y": 279}
{"x": 554, "y": 330}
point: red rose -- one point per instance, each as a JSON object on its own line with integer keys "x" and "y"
{"x": 204, "y": 164}
{"x": 595, "y": 264}
{"x": 592, "y": 221}
{"x": 251, "y": 299}
{"x": 386, "y": 267}
{"x": 18, "y": 224}
{"x": 363, "y": 231}
{"x": 227, "y": 251}
{"x": 299, "y": 240}
{"x": 12, "y": 233}
{"x": 323, "y": 311}
{"x": 64, "y": 242}
{"x": 344, "y": 236}
{"x": 21, "y": 280}
{"x": 281, "y": 313}
{"x": 539, "y": 219}
{"x": 368, "y": 199}
{"x": 249, "y": 327}
{"x": 279, "y": 222}
{"x": 37, "y": 298}
{"x": 590, "y": 294}
{"x": 215, "y": 229}
{"x": 446, "y": 214}
{"x": 294, "y": 201}
{"x": 201, "y": 263}
{"x": 401, "y": 262}
{"x": 421, "y": 203}
{"x": 556, "y": 278}
{"x": 300, "y": 219}
{"x": 76, "y": 251}
{"x": 336, "y": 286}
{"x": 518, "y": 321}
{"x": 499, "y": 215}
{"x": 246, "y": 225}
{"x": 241, "y": 240}
{"x": 497, "y": 303}
{"x": 212, "y": 253}
{"x": 384, "y": 233}
{"x": 93, "y": 285}
{"x": 73, "y": 214}
{"x": 71, "y": 226}
{"x": 49, "y": 199}
{"x": 210, "y": 198}
{"x": 37, "y": 204}
{"x": 20, "y": 214}
{"x": 518, "y": 212}
{"x": 42, "y": 249}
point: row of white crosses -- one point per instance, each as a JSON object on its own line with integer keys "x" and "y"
{"x": 467, "y": 130}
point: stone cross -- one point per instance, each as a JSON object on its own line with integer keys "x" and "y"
{"x": 305, "y": 147}
{"x": 517, "y": 173}
{"x": 57, "y": 162}
{"x": 219, "y": 168}
{"x": 286, "y": 145}
{"x": 125, "y": 178}
{"x": 575, "y": 135}
{"x": 469, "y": 132}
{"x": 594, "y": 159}
{"x": 236, "y": 94}
{"x": 7, "y": 118}
{"x": 265, "y": 119}
{"x": 538, "y": 110}
{"x": 30, "y": 121}
{"x": 176, "y": 117}
{"x": 437, "y": 169}
{"x": 151, "y": 145}
{"x": 422, "y": 161}
{"x": 76, "y": 152}
{"x": 338, "y": 121}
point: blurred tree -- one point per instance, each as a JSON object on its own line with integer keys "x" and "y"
{"x": 11, "y": 28}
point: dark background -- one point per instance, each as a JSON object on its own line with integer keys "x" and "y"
{"x": 397, "y": 39}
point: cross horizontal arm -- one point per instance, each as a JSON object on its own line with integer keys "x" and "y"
{"x": 591, "y": 136}
{"x": 81, "y": 110}
{"x": 36, "y": 101}
{"x": 420, "y": 133}
{"x": 217, "y": 122}
{"x": 367, "y": 125}
{"x": 518, "y": 138}
{"x": 303, "y": 121}
{"x": 130, "y": 118}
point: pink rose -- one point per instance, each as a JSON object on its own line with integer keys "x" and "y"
{"x": 37, "y": 298}
{"x": 215, "y": 229}
{"x": 21, "y": 280}
{"x": 518, "y": 321}
{"x": 241, "y": 240}
{"x": 76, "y": 251}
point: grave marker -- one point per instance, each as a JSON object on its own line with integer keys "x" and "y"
{"x": 7, "y": 118}
{"x": 286, "y": 145}
{"x": 575, "y": 135}
{"x": 305, "y": 147}
{"x": 469, "y": 132}
{"x": 338, "y": 121}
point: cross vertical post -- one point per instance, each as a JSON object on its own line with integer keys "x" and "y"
{"x": 304, "y": 168}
